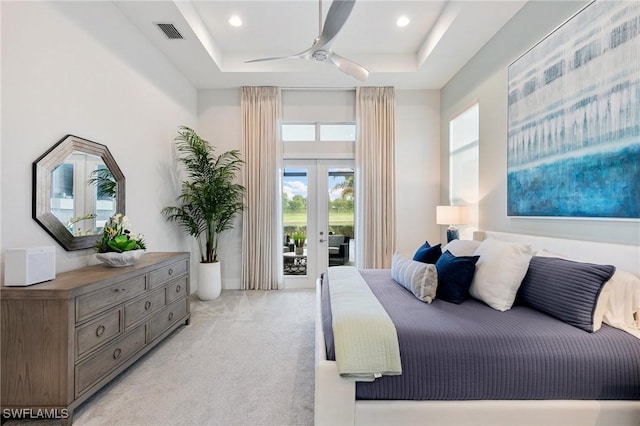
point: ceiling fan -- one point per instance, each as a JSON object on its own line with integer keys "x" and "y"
{"x": 321, "y": 50}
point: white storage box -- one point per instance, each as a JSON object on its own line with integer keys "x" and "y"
{"x": 28, "y": 266}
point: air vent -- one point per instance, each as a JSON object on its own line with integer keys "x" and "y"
{"x": 170, "y": 31}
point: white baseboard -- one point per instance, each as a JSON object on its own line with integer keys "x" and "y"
{"x": 231, "y": 283}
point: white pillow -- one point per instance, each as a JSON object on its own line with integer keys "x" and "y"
{"x": 461, "y": 247}
{"x": 499, "y": 272}
{"x": 619, "y": 303}
{"x": 419, "y": 278}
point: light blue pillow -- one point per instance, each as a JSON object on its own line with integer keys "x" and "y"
{"x": 419, "y": 278}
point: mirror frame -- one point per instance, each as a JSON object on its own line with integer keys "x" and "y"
{"x": 42, "y": 169}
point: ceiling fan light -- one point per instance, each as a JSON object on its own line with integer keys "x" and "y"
{"x": 403, "y": 21}
{"x": 235, "y": 21}
{"x": 320, "y": 55}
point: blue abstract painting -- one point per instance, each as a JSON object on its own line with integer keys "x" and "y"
{"x": 573, "y": 141}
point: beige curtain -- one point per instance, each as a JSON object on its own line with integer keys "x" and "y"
{"x": 261, "y": 112}
{"x": 375, "y": 176}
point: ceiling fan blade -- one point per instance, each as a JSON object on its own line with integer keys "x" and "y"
{"x": 306, "y": 54}
{"x": 336, "y": 18}
{"x": 349, "y": 67}
{"x": 267, "y": 59}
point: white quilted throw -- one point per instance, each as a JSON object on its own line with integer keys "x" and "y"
{"x": 365, "y": 339}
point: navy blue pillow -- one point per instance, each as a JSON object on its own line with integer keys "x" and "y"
{"x": 427, "y": 253}
{"x": 454, "y": 276}
{"x": 565, "y": 289}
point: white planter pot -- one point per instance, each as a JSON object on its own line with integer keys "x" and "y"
{"x": 209, "y": 281}
{"x": 119, "y": 260}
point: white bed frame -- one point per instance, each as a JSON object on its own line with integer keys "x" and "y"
{"x": 335, "y": 402}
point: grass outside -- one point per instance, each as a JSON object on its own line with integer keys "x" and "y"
{"x": 300, "y": 219}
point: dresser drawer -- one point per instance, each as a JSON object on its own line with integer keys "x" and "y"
{"x": 98, "y": 331}
{"x": 94, "y": 368}
{"x": 176, "y": 289}
{"x": 162, "y": 275}
{"x": 139, "y": 309}
{"x": 92, "y": 303}
{"x": 166, "y": 318}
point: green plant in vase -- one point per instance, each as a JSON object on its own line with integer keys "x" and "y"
{"x": 298, "y": 239}
{"x": 118, "y": 246}
{"x": 208, "y": 203}
{"x": 116, "y": 236}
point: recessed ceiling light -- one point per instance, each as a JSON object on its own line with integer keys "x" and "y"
{"x": 235, "y": 21}
{"x": 402, "y": 21}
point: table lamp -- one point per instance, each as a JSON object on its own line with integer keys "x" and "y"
{"x": 451, "y": 215}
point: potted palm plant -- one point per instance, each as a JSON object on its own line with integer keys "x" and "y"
{"x": 208, "y": 203}
{"x": 299, "y": 238}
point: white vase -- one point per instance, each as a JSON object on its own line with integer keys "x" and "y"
{"x": 209, "y": 281}
{"x": 119, "y": 260}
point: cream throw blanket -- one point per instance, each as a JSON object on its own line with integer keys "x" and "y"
{"x": 365, "y": 339}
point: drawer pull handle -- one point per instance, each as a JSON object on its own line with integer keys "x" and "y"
{"x": 178, "y": 288}
{"x": 116, "y": 353}
{"x": 147, "y": 305}
{"x": 118, "y": 290}
{"x": 100, "y": 330}
{"x": 170, "y": 271}
{"x": 170, "y": 316}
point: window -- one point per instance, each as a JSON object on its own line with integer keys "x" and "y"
{"x": 337, "y": 132}
{"x": 318, "y": 132}
{"x": 299, "y": 132}
{"x": 62, "y": 181}
{"x": 463, "y": 160}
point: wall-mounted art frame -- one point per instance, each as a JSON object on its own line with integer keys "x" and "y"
{"x": 573, "y": 137}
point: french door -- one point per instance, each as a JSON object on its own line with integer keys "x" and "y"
{"x": 318, "y": 219}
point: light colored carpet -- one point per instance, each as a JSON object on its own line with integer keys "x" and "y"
{"x": 246, "y": 359}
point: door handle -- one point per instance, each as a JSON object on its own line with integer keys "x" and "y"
{"x": 322, "y": 240}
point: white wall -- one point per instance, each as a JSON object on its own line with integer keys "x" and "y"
{"x": 318, "y": 105}
{"x": 417, "y": 155}
{"x": 484, "y": 79}
{"x": 220, "y": 123}
{"x": 82, "y": 68}
{"x": 417, "y": 168}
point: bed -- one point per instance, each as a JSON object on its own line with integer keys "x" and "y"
{"x": 340, "y": 401}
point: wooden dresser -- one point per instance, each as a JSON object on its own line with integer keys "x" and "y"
{"x": 64, "y": 339}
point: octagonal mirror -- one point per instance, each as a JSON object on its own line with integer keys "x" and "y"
{"x": 77, "y": 187}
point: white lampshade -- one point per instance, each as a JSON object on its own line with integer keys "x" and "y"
{"x": 451, "y": 215}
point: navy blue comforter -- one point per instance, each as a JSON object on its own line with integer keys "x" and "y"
{"x": 473, "y": 352}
